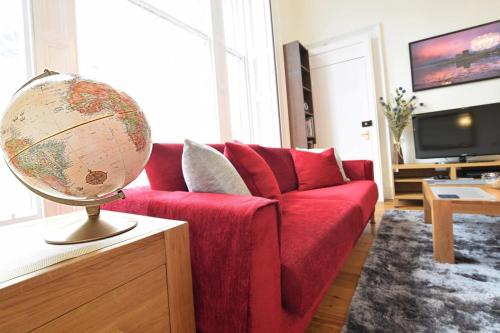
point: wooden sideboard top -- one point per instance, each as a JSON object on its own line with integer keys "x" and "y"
{"x": 140, "y": 283}
{"x": 25, "y": 254}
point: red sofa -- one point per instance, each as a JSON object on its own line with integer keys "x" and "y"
{"x": 259, "y": 265}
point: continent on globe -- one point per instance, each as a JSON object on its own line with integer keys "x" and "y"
{"x": 99, "y": 98}
{"x": 96, "y": 177}
{"x": 46, "y": 161}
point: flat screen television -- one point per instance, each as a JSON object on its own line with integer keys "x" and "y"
{"x": 469, "y": 131}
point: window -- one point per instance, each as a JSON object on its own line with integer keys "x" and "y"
{"x": 16, "y": 201}
{"x": 163, "y": 63}
{"x": 188, "y": 74}
{"x": 251, "y": 71}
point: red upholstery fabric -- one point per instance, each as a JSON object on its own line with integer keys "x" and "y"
{"x": 243, "y": 281}
{"x": 316, "y": 170}
{"x": 362, "y": 193}
{"x": 223, "y": 231}
{"x": 317, "y": 236}
{"x": 265, "y": 305}
{"x": 281, "y": 163}
{"x": 358, "y": 169}
{"x": 164, "y": 168}
{"x": 254, "y": 170}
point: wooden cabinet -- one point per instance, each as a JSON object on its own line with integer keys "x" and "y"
{"x": 408, "y": 177}
{"x": 139, "y": 284}
{"x": 299, "y": 96}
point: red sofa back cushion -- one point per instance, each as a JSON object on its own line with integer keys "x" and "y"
{"x": 281, "y": 163}
{"x": 164, "y": 169}
{"x": 254, "y": 170}
{"x": 316, "y": 170}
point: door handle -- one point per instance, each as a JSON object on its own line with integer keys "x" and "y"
{"x": 365, "y": 134}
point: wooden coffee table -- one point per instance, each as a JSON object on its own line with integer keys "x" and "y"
{"x": 439, "y": 212}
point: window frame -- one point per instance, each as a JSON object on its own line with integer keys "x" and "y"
{"x": 215, "y": 37}
{"x": 248, "y": 56}
{"x": 30, "y": 69}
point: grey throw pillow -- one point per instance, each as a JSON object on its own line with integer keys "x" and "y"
{"x": 207, "y": 170}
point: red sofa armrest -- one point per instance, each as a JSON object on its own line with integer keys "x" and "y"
{"x": 358, "y": 169}
{"x": 227, "y": 235}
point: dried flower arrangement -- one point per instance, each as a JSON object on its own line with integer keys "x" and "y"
{"x": 398, "y": 111}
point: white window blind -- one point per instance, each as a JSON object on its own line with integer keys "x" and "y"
{"x": 16, "y": 201}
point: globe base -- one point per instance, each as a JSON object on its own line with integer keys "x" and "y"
{"x": 92, "y": 227}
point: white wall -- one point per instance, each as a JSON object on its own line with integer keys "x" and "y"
{"x": 402, "y": 22}
{"x": 288, "y": 19}
{"x": 285, "y": 28}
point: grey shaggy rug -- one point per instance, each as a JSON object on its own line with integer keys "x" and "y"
{"x": 402, "y": 289}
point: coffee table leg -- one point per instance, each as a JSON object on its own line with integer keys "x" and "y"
{"x": 427, "y": 211}
{"x": 442, "y": 231}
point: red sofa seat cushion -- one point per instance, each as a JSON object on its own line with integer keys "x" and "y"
{"x": 254, "y": 170}
{"x": 316, "y": 170}
{"x": 316, "y": 238}
{"x": 362, "y": 193}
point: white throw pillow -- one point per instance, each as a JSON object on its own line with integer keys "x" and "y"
{"x": 337, "y": 158}
{"x": 207, "y": 170}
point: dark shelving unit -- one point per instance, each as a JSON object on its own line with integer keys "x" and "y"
{"x": 299, "y": 94}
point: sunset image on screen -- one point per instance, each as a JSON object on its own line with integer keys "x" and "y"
{"x": 459, "y": 57}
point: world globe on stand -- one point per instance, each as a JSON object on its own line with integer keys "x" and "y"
{"x": 73, "y": 139}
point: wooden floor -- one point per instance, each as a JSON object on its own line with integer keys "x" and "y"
{"x": 332, "y": 312}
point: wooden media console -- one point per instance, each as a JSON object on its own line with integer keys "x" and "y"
{"x": 407, "y": 178}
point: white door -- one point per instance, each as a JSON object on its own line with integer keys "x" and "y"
{"x": 344, "y": 98}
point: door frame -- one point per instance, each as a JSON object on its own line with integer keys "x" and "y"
{"x": 370, "y": 37}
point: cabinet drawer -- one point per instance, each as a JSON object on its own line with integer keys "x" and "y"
{"x": 140, "y": 305}
{"x": 67, "y": 286}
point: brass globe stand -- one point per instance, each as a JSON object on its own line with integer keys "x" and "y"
{"x": 89, "y": 226}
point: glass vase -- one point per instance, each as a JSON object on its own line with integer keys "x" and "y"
{"x": 397, "y": 153}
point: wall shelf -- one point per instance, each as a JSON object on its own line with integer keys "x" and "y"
{"x": 409, "y": 180}
{"x": 410, "y": 196}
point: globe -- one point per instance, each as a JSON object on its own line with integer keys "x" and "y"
{"x": 74, "y": 140}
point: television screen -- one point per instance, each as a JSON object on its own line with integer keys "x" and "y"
{"x": 459, "y": 132}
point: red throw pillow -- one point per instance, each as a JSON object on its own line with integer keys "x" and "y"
{"x": 254, "y": 170}
{"x": 316, "y": 170}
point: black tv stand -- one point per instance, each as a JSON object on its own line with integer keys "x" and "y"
{"x": 462, "y": 159}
